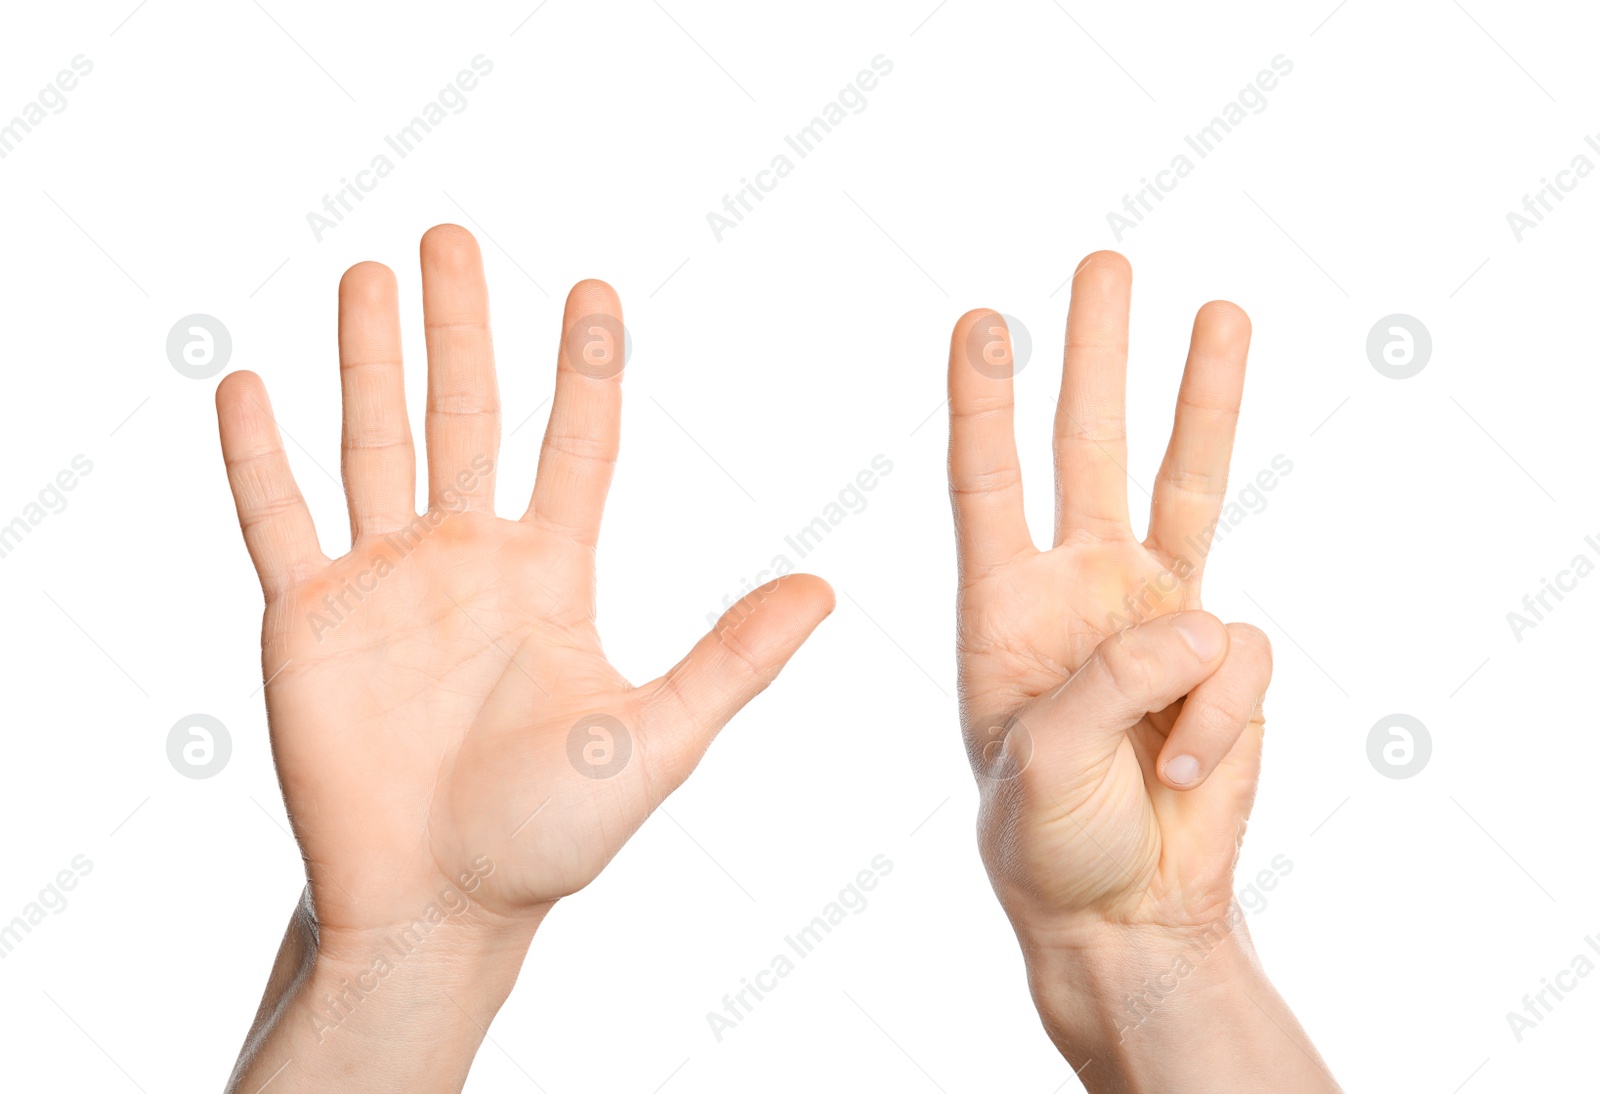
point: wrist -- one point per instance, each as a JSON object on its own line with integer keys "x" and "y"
{"x": 1138, "y": 1008}
{"x": 413, "y": 966}
{"x": 404, "y": 1007}
{"x": 1099, "y": 983}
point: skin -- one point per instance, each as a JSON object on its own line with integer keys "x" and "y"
{"x": 431, "y": 694}
{"x": 1114, "y": 726}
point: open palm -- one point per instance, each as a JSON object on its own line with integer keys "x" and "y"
{"x": 442, "y": 713}
{"x": 1133, "y": 819}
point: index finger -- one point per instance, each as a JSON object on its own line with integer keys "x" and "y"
{"x": 985, "y": 476}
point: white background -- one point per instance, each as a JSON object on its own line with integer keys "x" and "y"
{"x": 810, "y": 339}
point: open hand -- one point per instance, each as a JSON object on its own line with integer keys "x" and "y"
{"x": 442, "y": 714}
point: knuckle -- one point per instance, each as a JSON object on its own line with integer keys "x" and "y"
{"x": 1126, "y": 666}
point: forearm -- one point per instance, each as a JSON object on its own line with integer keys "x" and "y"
{"x": 1155, "y": 1011}
{"x": 378, "y": 1012}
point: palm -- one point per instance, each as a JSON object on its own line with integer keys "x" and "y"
{"x": 439, "y": 700}
{"x": 1099, "y": 825}
{"x": 385, "y": 710}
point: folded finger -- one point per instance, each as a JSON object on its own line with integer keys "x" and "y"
{"x": 1217, "y": 711}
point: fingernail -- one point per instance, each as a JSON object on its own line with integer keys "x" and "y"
{"x": 1183, "y": 770}
{"x": 1203, "y": 635}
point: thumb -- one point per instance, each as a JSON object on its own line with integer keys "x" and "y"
{"x": 731, "y": 665}
{"x": 1132, "y": 673}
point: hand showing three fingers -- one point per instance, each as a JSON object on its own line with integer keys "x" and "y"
{"x": 442, "y": 714}
{"x": 1114, "y": 727}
